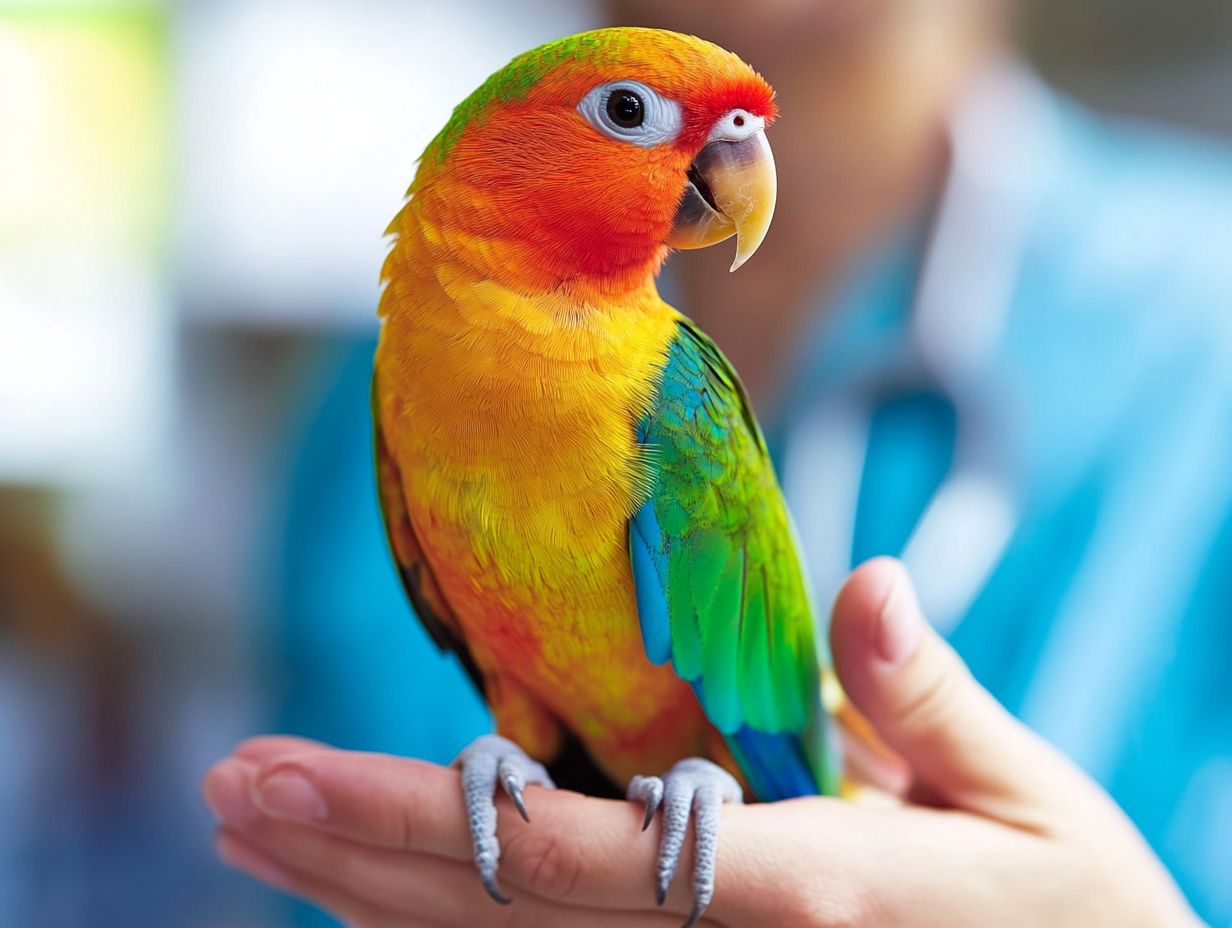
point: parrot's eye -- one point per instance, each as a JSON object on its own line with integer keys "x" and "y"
{"x": 625, "y": 108}
{"x": 629, "y": 111}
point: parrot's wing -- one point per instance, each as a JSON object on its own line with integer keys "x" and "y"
{"x": 720, "y": 588}
{"x": 418, "y": 580}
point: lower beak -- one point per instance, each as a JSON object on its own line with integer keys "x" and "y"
{"x": 730, "y": 191}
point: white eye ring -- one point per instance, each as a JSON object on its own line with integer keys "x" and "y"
{"x": 661, "y": 119}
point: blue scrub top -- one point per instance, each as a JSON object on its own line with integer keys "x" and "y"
{"x": 1107, "y": 623}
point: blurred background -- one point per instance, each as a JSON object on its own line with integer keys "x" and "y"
{"x": 191, "y": 202}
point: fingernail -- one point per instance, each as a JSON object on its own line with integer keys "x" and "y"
{"x": 240, "y": 856}
{"x": 227, "y": 790}
{"x": 900, "y": 624}
{"x": 288, "y": 795}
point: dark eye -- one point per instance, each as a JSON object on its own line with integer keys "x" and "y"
{"x": 630, "y": 111}
{"x": 625, "y": 109}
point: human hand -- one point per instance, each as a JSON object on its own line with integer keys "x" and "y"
{"x": 997, "y": 828}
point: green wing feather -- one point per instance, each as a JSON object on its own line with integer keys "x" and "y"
{"x": 721, "y": 590}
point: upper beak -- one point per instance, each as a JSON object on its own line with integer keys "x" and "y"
{"x": 731, "y": 189}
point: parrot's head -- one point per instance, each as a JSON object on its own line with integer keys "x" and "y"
{"x": 590, "y": 157}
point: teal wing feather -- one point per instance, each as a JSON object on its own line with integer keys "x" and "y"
{"x": 720, "y": 588}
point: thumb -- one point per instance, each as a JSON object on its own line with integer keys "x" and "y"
{"x": 962, "y": 746}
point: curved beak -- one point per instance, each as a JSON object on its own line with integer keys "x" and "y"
{"x": 731, "y": 190}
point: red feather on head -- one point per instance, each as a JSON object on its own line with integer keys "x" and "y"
{"x": 551, "y": 202}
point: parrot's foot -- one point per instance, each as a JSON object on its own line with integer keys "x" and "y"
{"x": 696, "y": 785}
{"x": 486, "y": 761}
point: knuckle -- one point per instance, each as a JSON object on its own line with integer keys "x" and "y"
{"x": 404, "y": 829}
{"x": 403, "y": 825}
{"x": 543, "y": 864}
{"x": 348, "y": 869}
{"x": 930, "y": 704}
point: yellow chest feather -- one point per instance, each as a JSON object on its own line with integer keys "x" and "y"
{"x": 513, "y": 418}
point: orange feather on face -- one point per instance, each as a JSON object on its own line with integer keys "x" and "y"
{"x": 545, "y": 200}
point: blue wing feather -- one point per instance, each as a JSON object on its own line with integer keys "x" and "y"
{"x": 650, "y": 573}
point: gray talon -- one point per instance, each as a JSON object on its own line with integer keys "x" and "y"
{"x": 493, "y": 888}
{"x": 693, "y": 786}
{"x": 652, "y": 806}
{"x": 695, "y": 913}
{"x": 648, "y": 790}
{"x": 515, "y": 793}
{"x": 485, "y": 762}
{"x": 512, "y": 780}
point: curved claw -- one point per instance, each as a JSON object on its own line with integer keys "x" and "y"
{"x": 652, "y": 806}
{"x": 695, "y": 913}
{"x": 485, "y": 762}
{"x": 693, "y": 787}
{"x": 648, "y": 790}
{"x": 493, "y": 888}
{"x": 516, "y": 795}
{"x": 511, "y": 779}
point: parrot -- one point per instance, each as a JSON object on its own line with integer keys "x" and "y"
{"x": 577, "y": 494}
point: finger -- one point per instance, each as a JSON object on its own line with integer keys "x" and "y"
{"x": 922, "y": 700}
{"x": 579, "y": 850}
{"x": 227, "y": 788}
{"x": 822, "y": 861}
{"x": 375, "y": 799}
{"x": 240, "y": 854}
{"x": 423, "y": 886}
{"x": 268, "y": 748}
{"x": 228, "y": 785}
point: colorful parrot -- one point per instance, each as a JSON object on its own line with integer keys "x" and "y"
{"x": 576, "y": 491}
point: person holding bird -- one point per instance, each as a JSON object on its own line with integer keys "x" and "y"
{"x": 582, "y": 507}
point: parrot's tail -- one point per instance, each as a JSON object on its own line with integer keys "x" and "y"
{"x": 776, "y": 766}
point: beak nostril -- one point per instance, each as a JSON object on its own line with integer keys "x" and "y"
{"x": 735, "y": 125}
